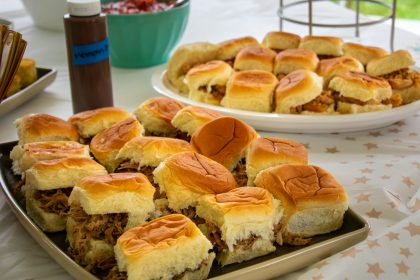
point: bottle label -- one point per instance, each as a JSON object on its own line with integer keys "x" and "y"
{"x": 90, "y": 53}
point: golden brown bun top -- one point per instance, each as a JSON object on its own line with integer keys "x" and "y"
{"x": 230, "y": 48}
{"x": 294, "y": 80}
{"x": 157, "y": 234}
{"x": 251, "y": 79}
{"x": 201, "y": 112}
{"x": 327, "y": 66}
{"x": 55, "y": 147}
{"x": 297, "y": 53}
{"x": 214, "y": 66}
{"x": 256, "y": 52}
{"x": 244, "y": 196}
{"x": 223, "y": 139}
{"x": 334, "y": 40}
{"x": 301, "y": 183}
{"x": 264, "y": 147}
{"x": 364, "y": 80}
{"x": 163, "y": 107}
{"x": 107, "y": 184}
{"x": 274, "y": 38}
{"x": 374, "y": 52}
{"x": 200, "y": 173}
{"x": 37, "y": 126}
{"x": 63, "y": 163}
{"x": 115, "y": 136}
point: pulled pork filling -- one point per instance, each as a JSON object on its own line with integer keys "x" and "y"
{"x": 395, "y": 100}
{"x": 106, "y": 227}
{"x": 231, "y": 62}
{"x": 325, "y": 56}
{"x": 403, "y": 78}
{"x": 215, "y": 237}
{"x": 239, "y": 173}
{"x": 320, "y": 104}
{"x": 218, "y": 91}
{"x": 182, "y": 135}
{"x": 288, "y": 239}
{"x": 54, "y": 201}
{"x": 280, "y": 76}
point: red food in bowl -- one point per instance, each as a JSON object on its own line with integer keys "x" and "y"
{"x": 136, "y": 7}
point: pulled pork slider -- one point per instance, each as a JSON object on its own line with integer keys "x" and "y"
{"x": 185, "y": 177}
{"x": 102, "y": 207}
{"x": 279, "y": 41}
{"x": 363, "y": 53}
{"x": 395, "y": 69}
{"x": 207, "y": 82}
{"x": 186, "y": 57}
{"x": 240, "y": 223}
{"x": 250, "y": 90}
{"x": 191, "y": 118}
{"x": 89, "y": 123}
{"x": 170, "y": 247}
{"x": 44, "y": 127}
{"x": 107, "y": 143}
{"x": 324, "y": 46}
{"x": 266, "y": 152}
{"x": 359, "y": 92}
{"x": 155, "y": 114}
{"x": 24, "y": 156}
{"x": 291, "y": 60}
{"x": 48, "y": 186}
{"x": 300, "y": 92}
{"x": 230, "y": 48}
{"x": 255, "y": 58}
{"x": 314, "y": 201}
{"x": 329, "y": 68}
{"x": 226, "y": 140}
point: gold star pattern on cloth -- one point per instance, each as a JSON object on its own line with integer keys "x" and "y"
{"x": 371, "y": 146}
{"x": 361, "y": 180}
{"x": 375, "y": 269}
{"x": 351, "y": 253}
{"x": 405, "y": 252}
{"x": 416, "y": 206}
{"x": 402, "y": 268}
{"x": 332, "y": 150}
{"x": 393, "y": 236}
{"x": 362, "y": 197}
{"x": 373, "y": 243}
{"x": 373, "y": 213}
{"x": 407, "y": 181}
{"x": 413, "y": 229}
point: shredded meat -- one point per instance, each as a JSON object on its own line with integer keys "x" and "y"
{"x": 395, "y": 100}
{"x": 127, "y": 166}
{"x": 54, "y": 201}
{"x": 319, "y": 104}
{"x": 181, "y": 275}
{"x": 231, "y": 62}
{"x": 190, "y": 212}
{"x": 325, "y": 56}
{"x": 280, "y": 76}
{"x": 240, "y": 174}
{"x": 215, "y": 237}
{"x": 107, "y": 227}
{"x": 403, "y": 78}
{"x": 183, "y": 135}
{"x": 277, "y": 233}
{"x": 115, "y": 274}
{"x": 218, "y": 91}
{"x": 296, "y": 240}
{"x": 18, "y": 189}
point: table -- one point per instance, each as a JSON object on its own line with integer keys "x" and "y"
{"x": 380, "y": 168}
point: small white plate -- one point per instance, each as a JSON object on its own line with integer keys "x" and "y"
{"x": 295, "y": 123}
{"x": 45, "y": 78}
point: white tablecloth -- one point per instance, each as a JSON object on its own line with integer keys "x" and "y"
{"x": 380, "y": 169}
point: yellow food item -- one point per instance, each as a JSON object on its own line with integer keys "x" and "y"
{"x": 25, "y": 75}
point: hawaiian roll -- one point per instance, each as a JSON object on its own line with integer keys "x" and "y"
{"x": 300, "y": 92}
{"x": 389, "y": 63}
{"x": 329, "y": 68}
{"x": 314, "y": 201}
{"x": 191, "y": 118}
{"x": 279, "y": 41}
{"x": 240, "y": 223}
{"x": 207, "y": 82}
{"x": 323, "y": 46}
{"x": 255, "y": 58}
{"x": 106, "y": 144}
{"x": 294, "y": 59}
{"x": 359, "y": 92}
{"x": 230, "y": 48}
{"x": 155, "y": 114}
{"x": 170, "y": 247}
{"x": 363, "y": 53}
{"x": 250, "y": 90}
{"x": 266, "y": 152}
{"x": 186, "y": 57}
{"x": 44, "y": 127}
{"x": 89, "y": 123}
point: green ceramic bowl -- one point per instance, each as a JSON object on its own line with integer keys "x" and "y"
{"x": 142, "y": 40}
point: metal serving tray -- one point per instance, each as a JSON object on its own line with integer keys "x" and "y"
{"x": 284, "y": 260}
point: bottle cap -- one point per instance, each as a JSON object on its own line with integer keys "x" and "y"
{"x": 84, "y": 7}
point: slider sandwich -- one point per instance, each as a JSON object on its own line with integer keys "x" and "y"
{"x": 186, "y": 57}
{"x": 44, "y": 127}
{"x": 89, "y": 123}
{"x": 300, "y": 92}
{"x": 102, "y": 207}
{"x": 207, "y": 82}
{"x": 230, "y": 48}
{"x": 280, "y": 41}
{"x": 395, "y": 69}
{"x": 106, "y": 144}
{"x": 185, "y": 177}
{"x": 155, "y": 114}
{"x": 255, "y": 58}
{"x": 359, "y": 92}
{"x": 314, "y": 202}
{"x": 291, "y": 60}
{"x": 250, "y": 90}
{"x": 48, "y": 186}
{"x": 329, "y": 68}
{"x": 363, "y": 53}
{"x": 170, "y": 247}
{"x": 191, "y": 118}
{"x": 324, "y": 46}
{"x": 266, "y": 152}
{"x": 240, "y": 223}
{"x": 226, "y": 140}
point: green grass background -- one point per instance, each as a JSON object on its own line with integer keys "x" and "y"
{"x": 409, "y": 9}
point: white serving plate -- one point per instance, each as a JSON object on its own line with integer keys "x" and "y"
{"x": 294, "y": 123}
